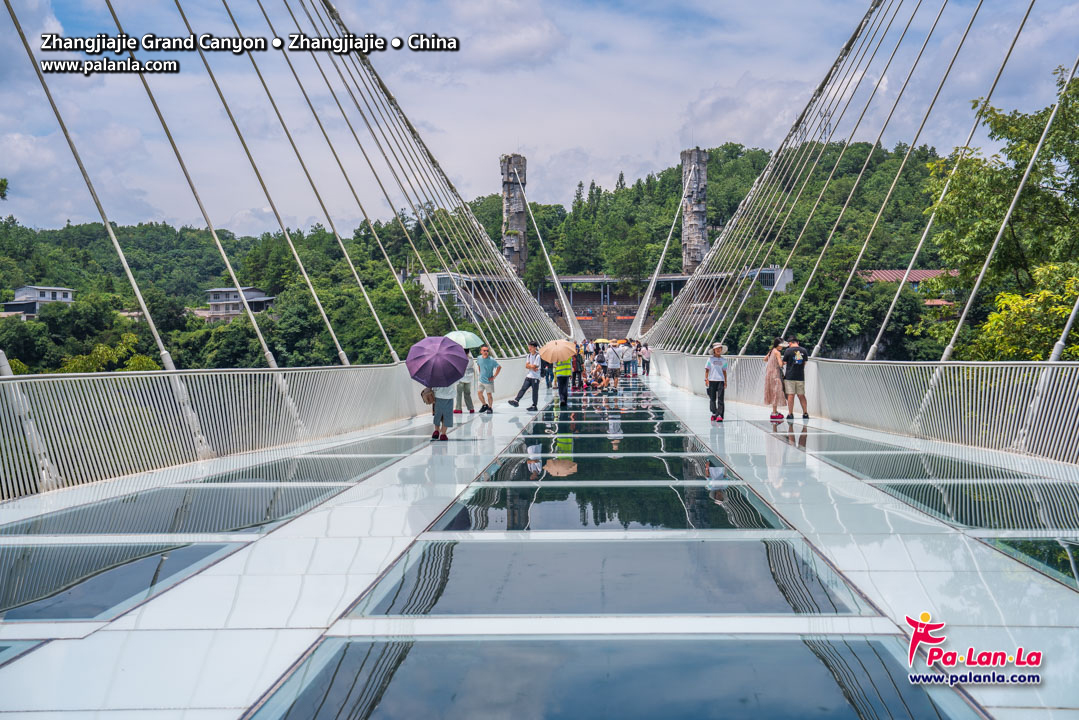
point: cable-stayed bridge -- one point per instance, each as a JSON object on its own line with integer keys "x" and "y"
{"x": 301, "y": 515}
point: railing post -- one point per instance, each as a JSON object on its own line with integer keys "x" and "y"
{"x": 179, "y": 391}
{"x": 49, "y": 477}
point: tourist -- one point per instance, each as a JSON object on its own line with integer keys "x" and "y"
{"x": 464, "y": 387}
{"x": 443, "y": 410}
{"x": 546, "y": 372}
{"x": 578, "y": 370}
{"x": 625, "y": 351}
{"x": 794, "y": 376}
{"x": 646, "y": 359}
{"x": 532, "y": 377}
{"x": 614, "y": 365}
{"x": 562, "y": 371}
{"x": 487, "y": 369}
{"x": 715, "y": 379}
{"x": 773, "y": 378}
{"x": 601, "y": 360}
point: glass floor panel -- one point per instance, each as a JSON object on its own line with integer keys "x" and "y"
{"x": 996, "y": 505}
{"x": 93, "y": 582}
{"x": 605, "y": 469}
{"x": 1056, "y": 557}
{"x": 787, "y": 425}
{"x": 307, "y": 468}
{"x": 9, "y": 649}
{"x": 597, "y": 426}
{"x": 627, "y": 508}
{"x": 834, "y": 442}
{"x": 918, "y": 466}
{"x": 570, "y": 443}
{"x": 666, "y": 577}
{"x": 733, "y": 678}
{"x": 598, "y": 415}
{"x": 187, "y": 509}
{"x": 380, "y": 446}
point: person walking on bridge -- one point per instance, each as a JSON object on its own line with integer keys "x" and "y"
{"x": 715, "y": 379}
{"x": 646, "y": 359}
{"x": 487, "y": 368}
{"x": 532, "y": 377}
{"x": 562, "y": 371}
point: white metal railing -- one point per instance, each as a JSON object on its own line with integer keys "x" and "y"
{"x": 64, "y": 430}
{"x": 1024, "y": 407}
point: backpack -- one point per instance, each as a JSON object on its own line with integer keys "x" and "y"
{"x": 428, "y": 396}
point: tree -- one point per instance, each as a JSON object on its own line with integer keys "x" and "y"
{"x": 1027, "y": 326}
{"x": 3, "y": 188}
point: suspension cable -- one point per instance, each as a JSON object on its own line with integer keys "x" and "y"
{"x": 895, "y": 180}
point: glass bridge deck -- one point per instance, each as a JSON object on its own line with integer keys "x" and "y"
{"x": 617, "y": 557}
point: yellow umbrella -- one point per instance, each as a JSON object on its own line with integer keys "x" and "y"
{"x": 605, "y": 341}
{"x": 560, "y": 468}
{"x": 557, "y": 351}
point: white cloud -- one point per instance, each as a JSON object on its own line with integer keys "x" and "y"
{"x": 583, "y": 89}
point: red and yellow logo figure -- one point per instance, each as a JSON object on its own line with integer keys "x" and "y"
{"x": 923, "y": 633}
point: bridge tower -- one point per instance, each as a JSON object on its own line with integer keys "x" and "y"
{"x": 694, "y": 209}
{"x": 514, "y": 212}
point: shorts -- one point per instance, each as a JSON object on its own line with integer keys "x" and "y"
{"x": 614, "y": 372}
{"x": 487, "y": 387}
{"x": 444, "y": 412}
{"x": 794, "y": 387}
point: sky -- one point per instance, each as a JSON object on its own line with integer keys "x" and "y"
{"x": 584, "y": 90}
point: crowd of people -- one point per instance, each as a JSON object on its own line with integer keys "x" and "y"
{"x": 599, "y": 366}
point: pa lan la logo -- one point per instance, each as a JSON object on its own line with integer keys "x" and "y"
{"x": 923, "y": 634}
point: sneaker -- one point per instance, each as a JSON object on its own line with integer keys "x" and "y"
{"x": 483, "y": 408}
{"x": 443, "y": 437}
{"x": 514, "y": 403}
{"x": 458, "y": 412}
{"x": 434, "y": 435}
{"x": 719, "y": 418}
{"x": 713, "y": 418}
{"x": 532, "y": 409}
{"x": 790, "y": 416}
{"x": 805, "y": 416}
{"x": 490, "y": 410}
{"x": 471, "y": 411}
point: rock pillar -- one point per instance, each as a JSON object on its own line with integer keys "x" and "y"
{"x": 514, "y": 212}
{"x": 694, "y": 209}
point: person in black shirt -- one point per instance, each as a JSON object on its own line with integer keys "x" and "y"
{"x": 794, "y": 376}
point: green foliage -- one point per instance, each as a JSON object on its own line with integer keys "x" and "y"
{"x": 1027, "y": 326}
{"x": 3, "y": 188}
{"x": 101, "y": 358}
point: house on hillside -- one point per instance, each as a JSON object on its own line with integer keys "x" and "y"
{"x": 225, "y": 303}
{"x": 914, "y": 280}
{"x": 30, "y": 298}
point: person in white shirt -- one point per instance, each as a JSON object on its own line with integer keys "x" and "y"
{"x": 715, "y": 379}
{"x": 532, "y": 377}
{"x": 614, "y": 365}
{"x": 443, "y": 410}
{"x": 464, "y": 386}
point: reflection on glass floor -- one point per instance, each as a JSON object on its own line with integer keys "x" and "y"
{"x": 187, "y": 509}
{"x": 997, "y": 505}
{"x": 834, "y": 442}
{"x": 632, "y": 508}
{"x": 602, "y": 426}
{"x": 616, "y": 468}
{"x": 1056, "y": 557}
{"x": 665, "y": 577}
{"x": 597, "y": 415}
{"x": 93, "y": 582}
{"x": 602, "y": 444}
{"x": 307, "y": 468}
{"x": 918, "y": 466}
{"x": 755, "y": 678}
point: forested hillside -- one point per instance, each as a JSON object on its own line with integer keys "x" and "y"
{"x": 1030, "y": 287}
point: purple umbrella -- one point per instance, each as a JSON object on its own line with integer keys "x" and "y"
{"x": 436, "y": 361}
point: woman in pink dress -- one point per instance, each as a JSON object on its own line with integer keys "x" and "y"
{"x": 773, "y": 378}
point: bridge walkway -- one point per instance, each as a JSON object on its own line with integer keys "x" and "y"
{"x": 622, "y": 555}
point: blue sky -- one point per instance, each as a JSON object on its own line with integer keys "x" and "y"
{"x": 583, "y": 89}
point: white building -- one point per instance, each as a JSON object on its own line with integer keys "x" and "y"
{"x": 29, "y": 298}
{"x": 225, "y": 303}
